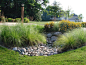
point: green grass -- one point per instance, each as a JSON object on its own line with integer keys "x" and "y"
{"x": 41, "y": 22}
{"x": 72, "y": 39}
{"x": 74, "y": 57}
{"x": 21, "y": 35}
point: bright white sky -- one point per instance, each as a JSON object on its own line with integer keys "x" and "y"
{"x": 77, "y": 6}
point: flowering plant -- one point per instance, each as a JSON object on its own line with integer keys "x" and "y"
{"x": 48, "y": 26}
{"x": 64, "y": 25}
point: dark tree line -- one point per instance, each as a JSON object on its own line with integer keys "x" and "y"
{"x": 12, "y": 8}
{"x": 32, "y": 9}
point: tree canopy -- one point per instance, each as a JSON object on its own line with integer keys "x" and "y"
{"x": 67, "y": 13}
{"x": 54, "y": 10}
{"x": 80, "y": 16}
{"x": 12, "y": 8}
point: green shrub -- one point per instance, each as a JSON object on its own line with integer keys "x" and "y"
{"x": 3, "y": 19}
{"x": 26, "y": 20}
{"x": 6, "y": 19}
{"x": 13, "y": 20}
{"x": 17, "y": 19}
{"x": 50, "y": 27}
{"x": 83, "y": 24}
{"x": 72, "y": 40}
{"x": 10, "y": 19}
{"x": 21, "y": 35}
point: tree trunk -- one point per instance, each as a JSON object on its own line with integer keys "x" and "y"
{"x": 2, "y": 13}
{"x": 54, "y": 18}
{"x": 22, "y": 14}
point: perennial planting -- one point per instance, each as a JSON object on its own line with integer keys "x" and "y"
{"x": 49, "y": 26}
{"x": 63, "y": 26}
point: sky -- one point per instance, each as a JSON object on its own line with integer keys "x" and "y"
{"x": 77, "y": 6}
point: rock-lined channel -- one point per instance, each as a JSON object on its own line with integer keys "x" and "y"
{"x": 41, "y": 50}
{"x": 52, "y": 37}
{"x": 37, "y": 51}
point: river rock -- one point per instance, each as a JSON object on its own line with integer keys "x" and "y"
{"x": 35, "y": 48}
{"x": 42, "y": 47}
{"x": 15, "y": 48}
{"x": 53, "y": 38}
{"x": 23, "y": 50}
{"x": 49, "y": 42}
{"x": 55, "y": 53}
{"x": 26, "y": 48}
{"x": 55, "y": 49}
{"x": 44, "y": 55}
{"x": 48, "y": 54}
{"x": 51, "y": 53}
{"x": 26, "y": 53}
{"x": 18, "y": 51}
{"x": 57, "y": 33}
{"x": 48, "y": 39}
{"x": 22, "y": 53}
{"x": 41, "y": 53}
{"x": 49, "y": 35}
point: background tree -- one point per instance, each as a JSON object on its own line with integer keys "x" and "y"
{"x": 67, "y": 13}
{"x": 12, "y": 8}
{"x": 80, "y": 16}
{"x": 37, "y": 16}
{"x": 54, "y": 10}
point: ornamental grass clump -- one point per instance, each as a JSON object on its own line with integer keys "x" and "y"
{"x": 64, "y": 25}
{"x": 71, "y": 40}
{"x": 21, "y": 35}
{"x": 40, "y": 28}
{"x": 55, "y": 27}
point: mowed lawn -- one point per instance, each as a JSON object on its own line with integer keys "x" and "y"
{"x": 42, "y": 22}
{"x": 74, "y": 57}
